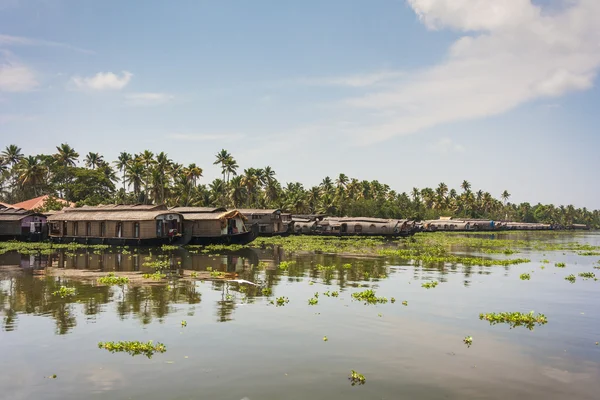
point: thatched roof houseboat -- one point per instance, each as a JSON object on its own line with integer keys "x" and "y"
{"x": 118, "y": 225}
{"x": 270, "y": 221}
{"x": 21, "y": 224}
{"x": 216, "y": 226}
{"x": 360, "y": 226}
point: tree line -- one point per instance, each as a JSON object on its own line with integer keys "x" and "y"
{"x": 149, "y": 178}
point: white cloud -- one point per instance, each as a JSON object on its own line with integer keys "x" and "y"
{"x": 147, "y": 99}
{"x": 446, "y": 146}
{"x": 103, "y": 81}
{"x": 357, "y": 80}
{"x": 8, "y": 40}
{"x": 513, "y": 53}
{"x": 14, "y": 76}
{"x": 204, "y": 137}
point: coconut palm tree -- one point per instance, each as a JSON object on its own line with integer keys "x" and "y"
{"x": 31, "y": 173}
{"x": 134, "y": 175}
{"x": 12, "y": 154}
{"x": 465, "y": 186}
{"x": 65, "y": 155}
{"x": 221, "y": 158}
{"x": 93, "y": 160}
{"x": 121, "y": 163}
{"x": 191, "y": 173}
{"x": 231, "y": 167}
{"x": 342, "y": 180}
{"x": 237, "y": 191}
{"x": 505, "y": 196}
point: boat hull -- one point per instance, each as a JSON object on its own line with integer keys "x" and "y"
{"x": 116, "y": 241}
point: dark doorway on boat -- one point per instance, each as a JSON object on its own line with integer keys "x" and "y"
{"x": 344, "y": 228}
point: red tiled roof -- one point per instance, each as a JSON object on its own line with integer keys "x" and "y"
{"x": 39, "y": 202}
{"x": 5, "y": 205}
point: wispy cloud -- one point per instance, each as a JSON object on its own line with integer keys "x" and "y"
{"x": 357, "y": 80}
{"x": 204, "y": 137}
{"x": 147, "y": 99}
{"x": 446, "y": 146}
{"x": 512, "y": 52}
{"x": 15, "y": 76}
{"x": 103, "y": 81}
{"x": 8, "y": 40}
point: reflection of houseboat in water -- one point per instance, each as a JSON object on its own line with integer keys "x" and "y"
{"x": 205, "y": 225}
{"x": 117, "y": 225}
{"x": 20, "y": 224}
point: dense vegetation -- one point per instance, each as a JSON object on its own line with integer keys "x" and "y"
{"x": 155, "y": 178}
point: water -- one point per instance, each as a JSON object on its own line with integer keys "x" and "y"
{"x": 238, "y": 346}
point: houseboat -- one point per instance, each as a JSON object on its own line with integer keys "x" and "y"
{"x": 270, "y": 222}
{"x": 204, "y": 226}
{"x": 359, "y": 226}
{"x": 117, "y": 225}
{"x": 21, "y": 224}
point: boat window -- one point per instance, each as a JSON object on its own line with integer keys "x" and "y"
{"x": 88, "y": 229}
{"x": 136, "y": 229}
{"x": 102, "y": 229}
{"x": 119, "y": 230}
{"x": 64, "y": 229}
{"x": 75, "y": 228}
{"x": 358, "y": 228}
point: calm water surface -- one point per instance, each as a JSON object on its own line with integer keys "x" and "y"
{"x": 238, "y": 346}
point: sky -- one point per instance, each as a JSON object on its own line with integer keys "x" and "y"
{"x": 407, "y": 92}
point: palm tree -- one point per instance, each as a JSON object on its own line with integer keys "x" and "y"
{"x": 134, "y": 175}
{"x": 221, "y": 158}
{"x": 12, "y": 154}
{"x": 93, "y": 160}
{"x": 31, "y": 173}
{"x": 466, "y": 186}
{"x": 342, "y": 180}
{"x": 505, "y": 196}
{"x": 250, "y": 181}
{"x": 192, "y": 173}
{"x": 66, "y": 156}
{"x": 237, "y": 191}
{"x": 231, "y": 167}
{"x": 146, "y": 158}
{"x": 161, "y": 171}
{"x": 121, "y": 163}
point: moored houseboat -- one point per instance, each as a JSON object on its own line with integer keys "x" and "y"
{"x": 21, "y": 224}
{"x": 117, "y": 225}
{"x": 216, "y": 226}
{"x": 359, "y": 226}
{"x": 270, "y": 222}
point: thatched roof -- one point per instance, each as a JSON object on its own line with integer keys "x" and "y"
{"x": 214, "y": 216}
{"x": 258, "y": 211}
{"x": 361, "y": 219}
{"x": 15, "y": 214}
{"x": 112, "y": 213}
{"x": 198, "y": 210}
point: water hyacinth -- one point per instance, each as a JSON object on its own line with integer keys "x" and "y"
{"x": 515, "y": 319}
{"x": 134, "y": 348}
{"x": 111, "y": 279}
{"x": 369, "y": 297}
{"x": 64, "y": 292}
{"x": 356, "y": 378}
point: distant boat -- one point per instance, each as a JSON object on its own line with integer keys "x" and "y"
{"x": 204, "y": 226}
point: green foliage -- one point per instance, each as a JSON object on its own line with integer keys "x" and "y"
{"x": 157, "y": 276}
{"x": 64, "y": 292}
{"x": 216, "y": 274}
{"x": 587, "y": 275}
{"x": 405, "y": 303}
{"x": 515, "y": 319}
{"x": 267, "y": 291}
{"x": 356, "y": 378}
{"x": 560, "y": 265}
{"x": 284, "y": 265}
{"x": 468, "y": 340}
{"x": 281, "y": 301}
{"x": 369, "y": 297}
{"x": 313, "y": 301}
{"x": 183, "y": 323}
{"x": 571, "y": 278}
{"x": 134, "y": 348}
{"x": 325, "y": 338}
{"x": 525, "y": 277}
{"x": 429, "y": 285}
{"x": 111, "y": 279}
{"x": 335, "y": 294}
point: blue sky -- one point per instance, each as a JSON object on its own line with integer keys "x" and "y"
{"x": 411, "y": 93}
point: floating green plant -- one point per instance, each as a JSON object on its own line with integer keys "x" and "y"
{"x": 112, "y": 279}
{"x": 284, "y": 265}
{"x": 405, "y": 303}
{"x": 335, "y": 294}
{"x": 134, "y": 348}
{"x": 157, "y": 276}
{"x": 525, "y": 277}
{"x": 560, "y": 265}
{"x": 587, "y": 275}
{"x": 429, "y": 285}
{"x": 392, "y": 300}
{"x": 515, "y": 319}
{"x": 571, "y": 278}
{"x": 183, "y": 323}
{"x": 64, "y": 292}
{"x": 546, "y": 261}
{"x": 216, "y": 274}
{"x": 267, "y": 291}
{"x": 193, "y": 274}
{"x": 468, "y": 340}
{"x": 369, "y": 297}
{"x": 347, "y": 266}
{"x": 157, "y": 264}
{"x": 356, "y": 378}
{"x": 327, "y": 293}
{"x": 325, "y": 338}
{"x": 281, "y": 301}
{"x": 313, "y": 301}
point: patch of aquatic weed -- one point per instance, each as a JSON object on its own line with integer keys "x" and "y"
{"x": 134, "y": 348}
{"x": 369, "y": 297}
{"x": 515, "y": 319}
{"x": 318, "y": 244}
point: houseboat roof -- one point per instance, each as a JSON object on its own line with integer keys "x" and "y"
{"x": 15, "y": 214}
{"x": 360, "y": 219}
{"x": 198, "y": 210}
{"x": 258, "y": 211}
{"x": 40, "y": 202}
{"x": 214, "y": 216}
{"x": 112, "y": 213}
